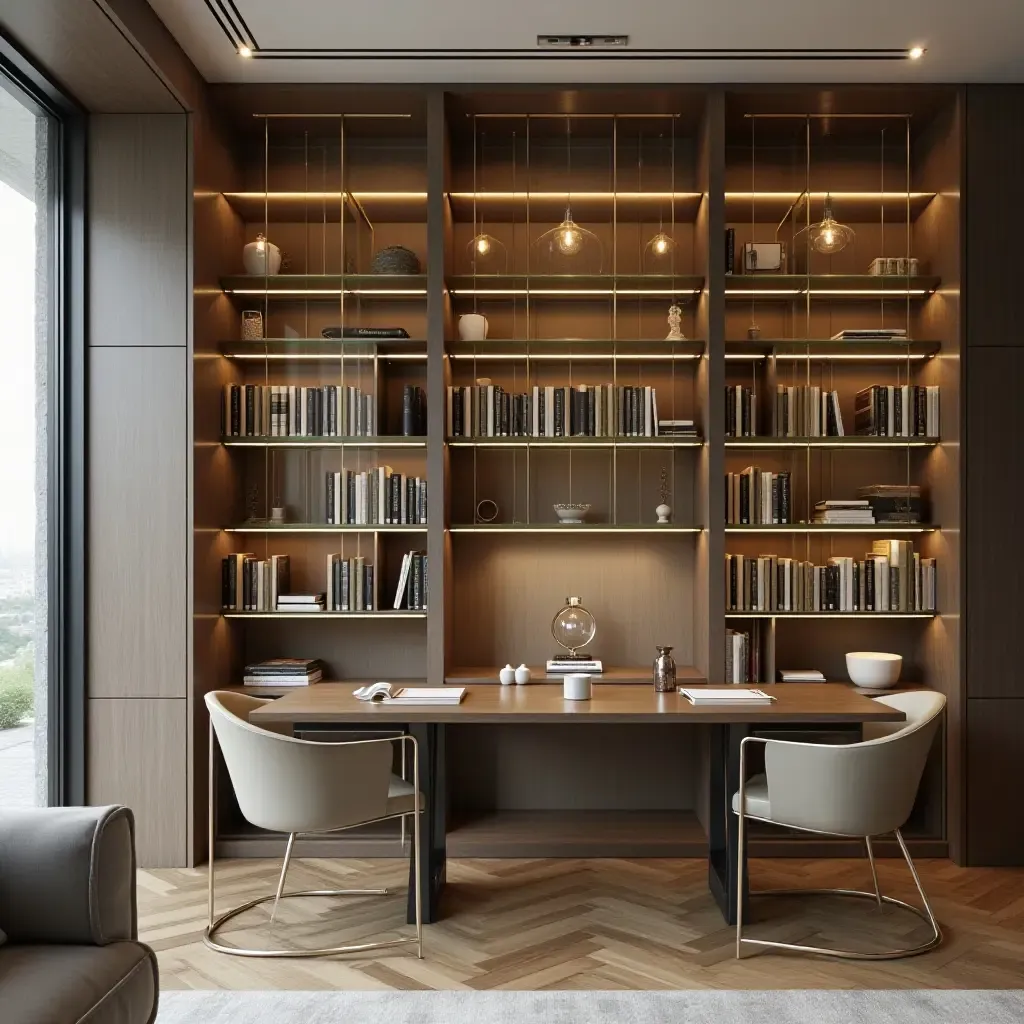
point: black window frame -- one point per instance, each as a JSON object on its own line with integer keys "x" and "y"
{"x": 66, "y": 421}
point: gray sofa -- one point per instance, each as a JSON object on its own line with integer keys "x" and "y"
{"x": 67, "y": 909}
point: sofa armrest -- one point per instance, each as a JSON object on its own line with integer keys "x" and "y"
{"x": 67, "y": 875}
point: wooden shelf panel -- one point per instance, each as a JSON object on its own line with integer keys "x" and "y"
{"x": 685, "y": 675}
{"x": 382, "y": 613}
{"x": 325, "y": 207}
{"x": 324, "y": 442}
{"x": 564, "y": 349}
{"x": 325, "y": 528}
{"x": 849, "y": 207}
{"x": 598, "y": 207}
{"x": 325, "y": 349}
{"x": 794, "y": 349}
{"x": 327, "y": 286}
{"x": 830, "y": 615}
{"x": 629, "y": 286}
{"x": 575, "y": 442}
{"x": 570, "y": 833}
{"x": 848, "y": 441}
{"x": 831, "y": 528}
{"x": 850, "y": 286}
{"x": 579, "y": 528}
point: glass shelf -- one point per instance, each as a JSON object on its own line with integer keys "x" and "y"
{"x": 299, "y": 206}
{"x": 325, "y": 349}
{"x": 575, "y": 442}
{"x": 830, "y": 615}
{"x": 327, "y": 286}
{"x": 787, "y": 286}
{"x": 385, "y": 613}
{"x": 679, "y": 286}
{"x": 856, "y": 207}
{"x": 581, "y": 528}
{"x": 264, "y": 527}
{"x": 324, "y": 442}
{"x": 831, "y": 528}
{"x": 849, "y": 441}
{"x": 794, "y": 349}
{"x": 562, "y": 349}
{"x": 600, "y": 207}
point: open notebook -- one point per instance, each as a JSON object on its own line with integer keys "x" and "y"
{"x": 385, "y": 693}
{"x": 726, "y": 695}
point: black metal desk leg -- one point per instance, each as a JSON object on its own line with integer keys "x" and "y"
{"x": 723, "y": 840}
{"x": 433, "y": 825}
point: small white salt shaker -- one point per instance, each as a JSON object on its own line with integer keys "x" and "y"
{"x": 522, "y": 675}
{"x": 507, "y": 676}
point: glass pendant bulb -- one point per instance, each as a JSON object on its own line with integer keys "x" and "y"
{"x": 661, "y": 244}
{"x": 573, "y": 627}
{"x": 487, "y": 254}
{"x": 830, "y": 236}
{"x": 568, "y": 236}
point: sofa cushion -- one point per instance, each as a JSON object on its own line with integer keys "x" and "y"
{"x": 113, "y": 984}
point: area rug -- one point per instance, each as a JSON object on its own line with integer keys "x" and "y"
{"x": 693, "y": 1007}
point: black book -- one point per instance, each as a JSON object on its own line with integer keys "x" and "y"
{"x": 744, "y": 499}
{"x": 364, "y": 332}
{"x": 235, "y": 426}
{"x": 408, "y": 410}
{"x": 785, "y": 497}
{"x": 368, "y": 588}
{"x": 776, "y": 518}
{"x": 898, "y": 410}
{"x": 753, "y": 583}
{"x": 410, "y": 500}
{"x": 414, "y": 580}
{"x": 920, "y": 411}
{"x": 336, "y": 584}
{"x": 350, "y": 486}
{"x": 310, "y": 410}
{"x": 856, "y": 585}
{"x": 458, "y": 429}
{"x": 506, "y": 414}
{"x": 894, "y": 588}
{"x": 730, "y": 412}
{"x": 250, "y": 410}
{"x": 733, "y": 584}
{"x": 745, "y": 423}
{"x": 559, "y": 412}
{"x": 730, "y": 250}
{"x": 330, "y": 500}
{"x": 423, "y": 502}
{"x": 227, "y": 582}
{"x": 590, "y": 404}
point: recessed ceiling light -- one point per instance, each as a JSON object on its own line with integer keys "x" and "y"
{"x": 916, "y": 52}
{"x": 244, "y": 51}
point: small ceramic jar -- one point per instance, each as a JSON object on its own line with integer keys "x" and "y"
{"x": 522, "y": 675}
{"x": 261, "y": 257}
{"x": 507, "y": 676}
{"x": 472, "y": 327}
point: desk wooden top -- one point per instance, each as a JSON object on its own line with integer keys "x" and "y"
{"x": 795, "y": 702}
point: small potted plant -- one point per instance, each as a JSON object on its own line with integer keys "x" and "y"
{"x": 664, "y": 510}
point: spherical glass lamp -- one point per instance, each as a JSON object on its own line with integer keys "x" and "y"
{"x": 568, "y": 248}
{"x": 658, "y": 254}
{"x": 487, "y": 254}
{"x": 830, "y": 236}
{"x": 573, "y": 628}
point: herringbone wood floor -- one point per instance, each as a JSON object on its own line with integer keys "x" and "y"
{"x": 609, "y": 924}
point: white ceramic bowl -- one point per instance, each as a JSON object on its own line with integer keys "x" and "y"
{"x": 571, "y": 513}
{"x": 873, "y": 670}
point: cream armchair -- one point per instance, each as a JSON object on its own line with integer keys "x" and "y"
{"x": 858, "y": 790}
{"x": 300, "y": 787}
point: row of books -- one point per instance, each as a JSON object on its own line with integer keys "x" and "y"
{"x": 891, "y": 577}
{"x": 272, "y": 410}
{"x": 412, "y": 582}
{"x": 743, "y": 654}
{"x": 758, "y": 496}
{"x": 844, "y": 512}
{"x": 740, "y": 411}
{"x": 251, "y": 584}
{"x": 907, "y": 410}
{"x": 807, "y": 411}
{"x": 375, "y": 496}
{"x": 349, "y": 584}
{"x": 284, "y": 672}
{"x": 600, "y": 410}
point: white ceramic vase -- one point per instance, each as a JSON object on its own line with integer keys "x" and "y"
{"x": 507, "y": 676}
{"x": 664, "y": 513}
{"x": 522, "y": 675}
{"x": 261, "y": 257}
{"x": 472, "y": 327}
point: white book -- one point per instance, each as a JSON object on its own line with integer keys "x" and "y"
{"x": 549, "y": 411}
{"x": 800, "y": 675}
{"x": 403, "y": 579}
{"x": 386, "y": 693}
{"x": 720, "y": 695}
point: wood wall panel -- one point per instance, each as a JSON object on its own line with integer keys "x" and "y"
{"x": 995, "y": 564}
{"x": 995, "y": 826}
{"x": 139, "y": 222}
{"x": 995, "y": 219}
{"x": 138, "y": 520}
{"x": 137, "y": 756}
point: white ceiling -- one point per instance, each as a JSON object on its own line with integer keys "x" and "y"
{"x": 966, "y": 40}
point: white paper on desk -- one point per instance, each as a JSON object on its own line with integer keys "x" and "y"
{"x": 727, "y": 695}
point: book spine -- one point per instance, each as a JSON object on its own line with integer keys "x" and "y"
{"x": 730, "y": 250}
{"x": 408, "y": 411}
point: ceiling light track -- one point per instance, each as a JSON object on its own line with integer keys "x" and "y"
{"x": 229, "y": 17}
{"x": 583, "y": 53}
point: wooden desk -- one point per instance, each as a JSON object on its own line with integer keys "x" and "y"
{"x": 328, "y": 705}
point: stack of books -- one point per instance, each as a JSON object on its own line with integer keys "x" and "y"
{"x": 412, "y": 582}
{"x": 349, "y": 584}
{"x": 907, "y": 410}
{"x": 251, "y": 584}
{"x": 871, "y": 334}
{"x": 740, "y": 411}
{"x": 677, "y": 428}
{"x": 757, "y": 496}
{"x": 284, "y": 672}
{"x": 301, "y": 602}
{"x": 599, "y": 410}
{"x": 800, "y": 675}
{"x": 844, "y": 512}
{"x": 807, "y": 411}
{"x": 894, "y": 503}
{"x": 709, "y": 696}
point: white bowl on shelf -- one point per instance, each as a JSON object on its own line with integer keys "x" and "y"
{"x": 571, "y": 514}
{"x": 873, "y": 670}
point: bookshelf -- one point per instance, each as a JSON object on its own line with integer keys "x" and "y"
{"x": 433, "y": 171}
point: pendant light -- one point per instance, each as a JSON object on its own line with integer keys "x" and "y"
{"x": 830, "y": 236}
{"x": 567, "y": 247}
{"x": 487, "y": 254}
{"x": 659, "y": 249}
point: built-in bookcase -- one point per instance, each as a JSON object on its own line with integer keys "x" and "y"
{"x": 472, "y": 182}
